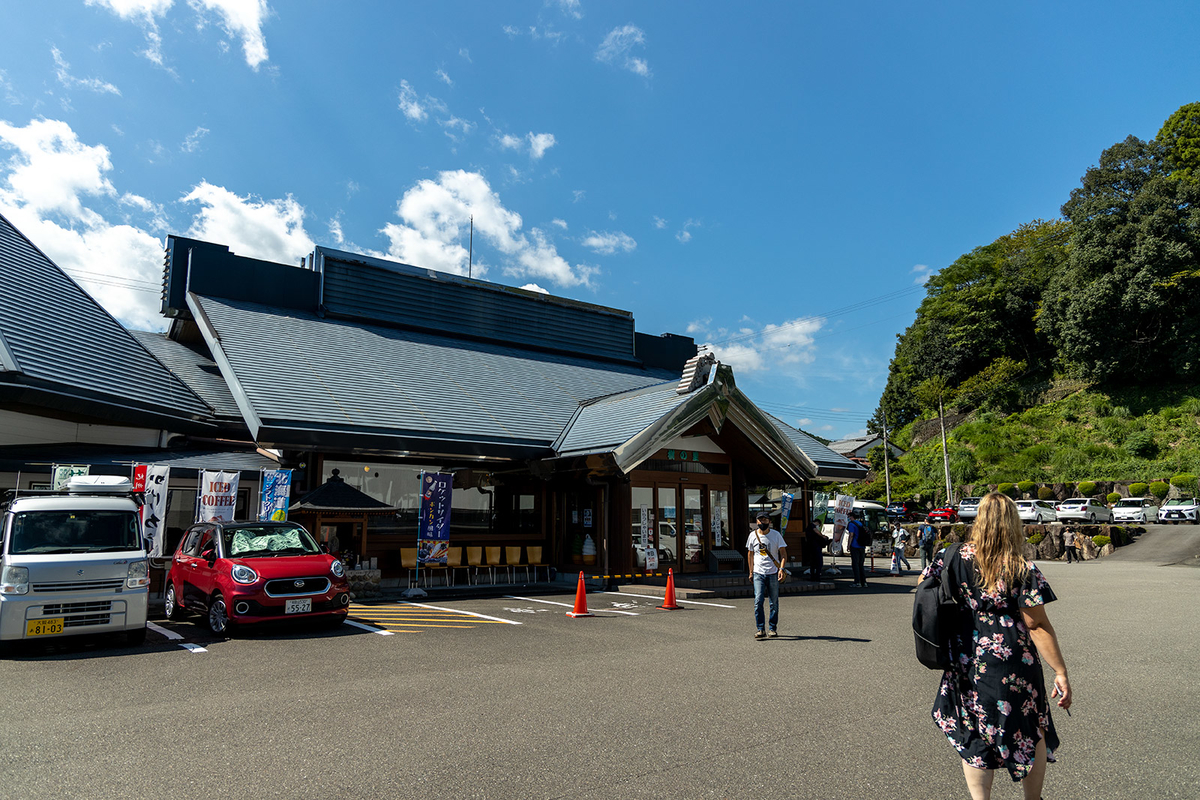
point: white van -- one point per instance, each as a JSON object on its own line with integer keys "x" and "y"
{"x": 73, "y": 563}
{"x": 872, "y": 514}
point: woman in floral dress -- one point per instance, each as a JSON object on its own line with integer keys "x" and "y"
{"x": 992, "y": 704}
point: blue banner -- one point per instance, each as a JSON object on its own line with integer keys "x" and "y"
{"x": 433, "y": 531}
{"x": 274, "y": 494}
{"x": 786, "y": 511}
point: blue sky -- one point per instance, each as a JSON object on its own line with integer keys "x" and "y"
{"x": 775, "y": 179}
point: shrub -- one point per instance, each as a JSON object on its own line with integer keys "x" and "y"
{"x": 1101, "y": 540}
{"x": 1006, "y": 488}
{"x": 1036, "y": 539}
{"x": 1025, "y": 487}
{"x": 1045, "y": 493}
{"x": 1138, "y": 489}
{"x": 1160, "y": 489}
{"x": 1119, "y": 536}
{"x": 1113, "y": 497}
{"x": 1087, "y": 488}
{"x": 1141, "y": 444}
{"x": 1185, "y": 481}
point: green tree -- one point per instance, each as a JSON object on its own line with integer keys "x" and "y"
{"x": 1127, "y": 304}
{"x": 1180, "y": 135}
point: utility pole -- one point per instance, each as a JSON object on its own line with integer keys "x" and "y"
{"x": 887, "y": 477}
{"x": 471, "y": 251}
{"x": 945, "y": 452}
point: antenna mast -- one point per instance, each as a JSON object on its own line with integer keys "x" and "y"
{"x": 471, "y": 251}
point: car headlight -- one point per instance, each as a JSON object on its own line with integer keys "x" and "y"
{"x": 243, "y": 574}
{"x": 337, "y": 569}
{"x": 138, "y": 575}
{"x": 14, "y": 580}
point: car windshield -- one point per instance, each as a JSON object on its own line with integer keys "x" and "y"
{"x": 51, "y": 532}
{"x": 1179, "y": 501}
{"x": 252, "y": 541}
{"x": 1075, "y": 501}
{"x": 1130, "y": 503}
{"x": 1024, "y": 504}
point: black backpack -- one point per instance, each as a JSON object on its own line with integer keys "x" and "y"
{"x": 936, "y": 615}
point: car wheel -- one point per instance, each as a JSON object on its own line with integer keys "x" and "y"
{"x": 218, "y": 617}
{"x": 171, "y": 609}
{"x": 1092, "y": 518}
{"x": 136, "y": 638}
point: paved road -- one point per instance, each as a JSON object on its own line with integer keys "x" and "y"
{"x": 633, "y": 703}
{"x": 1166, "y": 545}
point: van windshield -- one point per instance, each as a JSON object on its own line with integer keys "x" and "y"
{"x": 53, "y": 532}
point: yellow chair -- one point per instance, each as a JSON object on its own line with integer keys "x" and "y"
{"x": 474, "y": 559}
{"x": 493, "y": 560}
{"x": 408, "y": 560}
{"x": 430, "y": 568}
{"x": 534, "y": 555}
{"x": 512, "y": 560}
{"x": 454, "y": 561}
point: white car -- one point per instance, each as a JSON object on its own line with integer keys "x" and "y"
{"x": 1036, "y": 511}
{"x": 1135, "y": 509}
{"x": 968, "y": 508}
{"x": 1085, "y": 509}
{"x": 1179, "y": 509}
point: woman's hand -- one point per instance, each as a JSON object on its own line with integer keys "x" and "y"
{"x": 1062, "y": 690}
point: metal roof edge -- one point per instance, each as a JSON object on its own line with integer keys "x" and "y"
{"x": 639, "y": 447}
{"x": 8, "y": 359}
{"x": 213, "y": 339}
{"x": 557, "y": 443}
{"x": 127, "y": 413}
{"x": 752, "y": 422}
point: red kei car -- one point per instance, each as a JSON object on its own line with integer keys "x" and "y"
{"x": 944, "y": 514}
{"x": 246, "y": 572}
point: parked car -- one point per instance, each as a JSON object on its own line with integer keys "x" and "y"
{"x": 1135, "y": 509}
{"x": 1036, "y": 511}
{"x": 1179, "y": 510}
{"x": 905, "y": 510}
{"x": 968, "y": 508}
{"x": 245, "y": 572}
{"x": 945, "y": 514}
{"x": 1085, "y": 509}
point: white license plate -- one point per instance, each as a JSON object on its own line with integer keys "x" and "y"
{"x": 297, "y": 606}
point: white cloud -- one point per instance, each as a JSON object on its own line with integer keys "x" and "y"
{"x": 272, "y": 230}
{"x": 436, "y": 215}
{"x": 539, "y": 143}
{"x": 443, "y": 77}
{"x": 511, "y": 31}
{"x": 465, "y": 53}
{"x": 533, "y": 287}
{"x": 800, "y": 423}
{"x": 685, "y": 234}
{"x": 52, "y": 169}
{"x": 145, "y": 14}
{"x": 410, "y": 105}
{"x": 510, "y": 142}
{"x": 572, "y": 8}
{"x": 335, "y": 231}
{"x": 562, "y": 223}
{"x": 242, "y": 19}
{"x": 660, "y": 223}
{"x": 925, "y": 273}
{"x": 192, "y": 143}
{"x": 617, "y": 49}
{"x": 63, "y": 72}
{"x": 786, "y": 346}
{"x": 608, "y": 243}
{"x": 453, "y": 124}
{"x": 578, "y": 194}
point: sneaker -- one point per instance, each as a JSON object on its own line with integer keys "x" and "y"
{"x": 773, "y": 634}
{"x": 760, "y": 635}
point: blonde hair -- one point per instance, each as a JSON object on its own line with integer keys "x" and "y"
{"x": 999, "y": 542}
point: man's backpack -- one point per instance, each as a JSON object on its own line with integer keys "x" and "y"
{"x": 936, "y": 615}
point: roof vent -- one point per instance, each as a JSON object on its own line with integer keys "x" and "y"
{"x": 695, "y": 373}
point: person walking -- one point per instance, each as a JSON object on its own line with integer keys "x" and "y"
{"x": 899, "y": 543}
{"x": 992, "y": 703}
{"x": 814, "y": 544}
{"x": 1070, "y": 546}
{"x": 766, "y": 553}
{"x": 860, "y": 540}
{"x": 925, "y": 542}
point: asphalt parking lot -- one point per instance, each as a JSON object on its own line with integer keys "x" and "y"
{"x": 507, "y": 697}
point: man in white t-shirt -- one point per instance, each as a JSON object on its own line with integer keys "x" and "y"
{"x": 766, "y": 553}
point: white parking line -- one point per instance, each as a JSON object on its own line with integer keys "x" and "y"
{"x": 192, "y": 648}
{"x": 571, "y": 605}
{"x": 460, "y": 611}
{"x": 370, "y": 628}
{"x": 652, "y": 597}
{"x": 172, "y": 635}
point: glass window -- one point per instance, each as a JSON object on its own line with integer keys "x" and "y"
{"x": 668, "y": 536}
{"x": 206, "y": 542}
{"x": 718, "y": 505}
{"x": 189, "y": 544}
{"x": 693, "y": 526}
{"x": 643, "y": 523}
{"x": 399, "y": 485}
{"x": 74, "y": 532}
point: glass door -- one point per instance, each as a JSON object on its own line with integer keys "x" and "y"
{"x": 668, "y": 528}
{"x": 642, "y": 533}
{"x": 692, "y": 523}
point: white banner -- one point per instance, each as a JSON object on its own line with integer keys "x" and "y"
{"x": 216, "y": 496}
{"x": 152, "y": 479}
{"x": 61, "y": 474}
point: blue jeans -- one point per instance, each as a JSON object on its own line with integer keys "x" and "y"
{"x": 766, "y": 586}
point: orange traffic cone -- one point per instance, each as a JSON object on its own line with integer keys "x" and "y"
{"x": 580, "y": 601}
{"x": 669, "y": 601}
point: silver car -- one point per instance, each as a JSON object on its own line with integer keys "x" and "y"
{"x": 968, "y": 508}
{"x": 1084, "y": 509}
{"x": 1135, "y": 509}
{"x": 1036, "y": 511}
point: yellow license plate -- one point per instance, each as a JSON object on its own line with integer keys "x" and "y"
{"x": 44, "y": 627}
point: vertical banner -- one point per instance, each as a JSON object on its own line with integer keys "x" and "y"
{"x": 61, "y": 474}
{"x": 274, "y": 494}
{"x": 645, "y": 541}
{"x": 718, "y": 540}
{"x": 786, "y": 511}
{"x": 820, "y": 507}
{"x": 841, "y": 517}
{"x": 433, "y": 532}
{"x": 216, "y": 496}
{"x": 152, "y": 479}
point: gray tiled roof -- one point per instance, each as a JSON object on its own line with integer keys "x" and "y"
{"x": 195, "y": 368}
{"x": 829, "y": 464}
{"x": 61, "y": 339}
{"x": 295, "y": 367}
{"x": 612, "y": 420}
